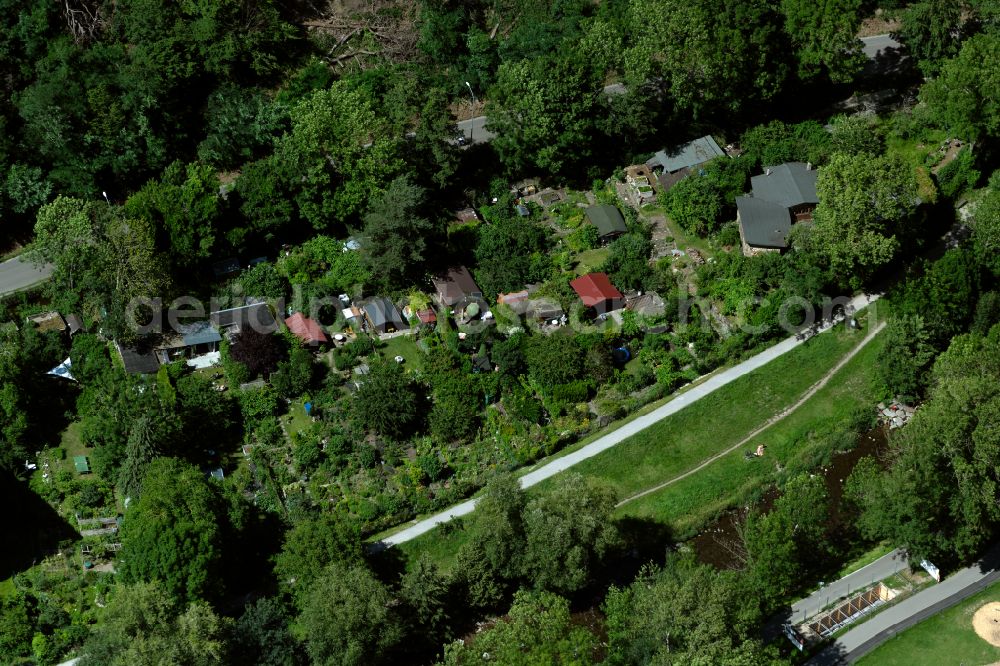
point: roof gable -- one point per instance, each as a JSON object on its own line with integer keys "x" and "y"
{"x": 607, "y": 218}
{"x": 764, "y": 224}
{"x": 789, "y": 185}
{"x": 198, "y": 333}
{"x": 137, "y": 362}
{"x": 381, "y": 311}
{"x": 305, "y": 329}
{"x": 455, "y": 285}
{"x": 689, "y": 155}
{"x": 256, "y": 315}
{"x": 594, "y": 288}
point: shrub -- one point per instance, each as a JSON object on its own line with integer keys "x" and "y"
{"x": 958, "y": 175}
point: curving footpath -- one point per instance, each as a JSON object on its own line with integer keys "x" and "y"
{"x": 777, "y": 418}
{"x": 711, "y": 384}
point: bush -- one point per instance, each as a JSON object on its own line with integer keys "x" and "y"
{"x": 584, "y": 238}
{"x": 368, "y": 456}
{"x": 431, "y": 466}
{"x": 729, "y": 235}
{"x": 958, "y": 175}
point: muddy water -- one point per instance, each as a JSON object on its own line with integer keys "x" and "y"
{"x": 718, "y": 544}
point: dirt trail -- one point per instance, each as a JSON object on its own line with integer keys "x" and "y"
{"x": 770, "y": 422}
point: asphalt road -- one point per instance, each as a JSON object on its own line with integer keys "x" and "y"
{"x": 880, "y": 569}
{"x": 615, "y": 437}
{"x": 17, "y": 274}
{"x": 879, "y": 44}
{"x": 475, "y": 130}
{"x": 864, "y": 638}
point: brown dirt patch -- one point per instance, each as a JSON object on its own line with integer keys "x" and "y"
{"x": 986, "y": 622}
{"x": 879, "y": 24}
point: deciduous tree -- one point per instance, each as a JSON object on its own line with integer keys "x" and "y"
{"x": 386, "y": 401}
{"x": 825, "y": 37}
{"x": 397, "y": 234}
{"x": 963, "y": 97}
{"x": 542, "y": 111}
{"x": 173, "y": 533}
{"x": 537, "y": 630}
{"x": 569, "y": 532}
{"x": 864, "y": 203}
{"x": 144, "y": 626}
{"x": 350, "y": 618}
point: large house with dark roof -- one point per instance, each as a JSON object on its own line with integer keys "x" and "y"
{"x": 672, "y": 166}
{"x": 597, "y": 293}
{"x": 781, "y": 196}
{"x": 255, "y": 315}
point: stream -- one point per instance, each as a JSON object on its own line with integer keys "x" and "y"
{"x": 715, "y": 545}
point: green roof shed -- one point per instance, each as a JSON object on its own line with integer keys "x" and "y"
{"x": 608, "y": 220}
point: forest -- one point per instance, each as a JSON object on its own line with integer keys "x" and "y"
{"x": 314, "y": 159}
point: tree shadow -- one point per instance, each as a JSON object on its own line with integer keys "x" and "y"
{"x": 32, "y": 529}
{"x": 388, "y": 564}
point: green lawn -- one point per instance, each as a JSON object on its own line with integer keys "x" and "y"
{"x": 405, "y": 346}
{"x": 296, "y": 420}
{"x": 914, "y": 150}
{"x": 72, "y": 442}
{"x": 713, "y": 424}
{"x": 590, "y": 260}
{"x": 683, "y": 239}
{"x": 946, "y": 638}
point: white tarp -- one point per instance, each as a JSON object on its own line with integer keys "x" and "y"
{"x": 63, "y": 370}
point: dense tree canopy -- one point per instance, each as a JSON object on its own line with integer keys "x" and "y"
{"x": 864, "y": 204}
{"x": 697, "y": 53}
{"x": 386, "y": 401}
{"x": 824, "y": 36}
{"x": 173, "y": 533}
{"x": 568, "y": 534}
{"x": 542, "y": 111}
{"x": 538, "y": 629}
{"x": 144, "y": 625}
{"x": 936, "y": 498}
{"x": 397, "y": 233}
{"x": 684, "y": 613}
{"x": 963, "y": 97}
{"x": 349, "y": 618}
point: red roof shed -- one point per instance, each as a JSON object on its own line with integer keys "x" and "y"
{"x": 596, "y": 291}
{"x": 306, "y": 329}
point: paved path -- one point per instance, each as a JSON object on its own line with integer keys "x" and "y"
{"x": 867, "y": 575}
{"x": 770, "y": 422}
{"x": 615, "y": 437}
{"x": 864, "y": 638}
{"x": 17, "y": 274}
{"x": 878, "y": 44}
{"x": 475, "y": 130}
